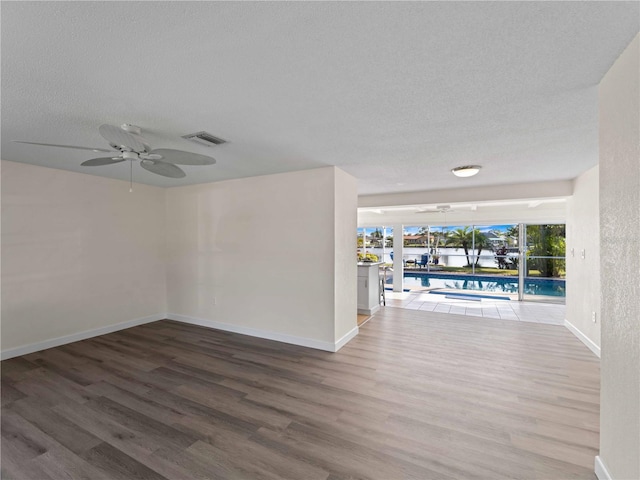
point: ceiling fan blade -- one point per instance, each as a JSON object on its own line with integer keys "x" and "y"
{"x": 65, "y": 146}
{"x": 181, "y": 157}
{"x": 161, "y": 168}
{"x": 121, "y": 140}
{"x": 98, "y": 162}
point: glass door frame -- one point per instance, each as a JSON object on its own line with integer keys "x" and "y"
{"x": 523, "y": 258}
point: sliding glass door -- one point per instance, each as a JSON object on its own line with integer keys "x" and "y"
{"x": 515, "y": 261}
{"x": 544, "y": 262}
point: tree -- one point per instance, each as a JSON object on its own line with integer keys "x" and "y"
{"x": 546, "y": 241}
{"x": 461, "y": 237}
{"x": 501, "y": 257}
{"x": 464, "y": 237}
{"x": 439, "y": 237}
{"x": 512, "y": 232}
{"x": 481, "y": 241}
{"x": 376, "y": 238}
{"x": 512, "y": 236}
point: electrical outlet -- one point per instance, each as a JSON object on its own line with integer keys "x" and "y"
{"x": 593, "y": 317}
{"x": 582, "y": 254}
{"x": 215, "y": 302}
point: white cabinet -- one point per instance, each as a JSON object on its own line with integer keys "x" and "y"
{"x": 368, "y": 288}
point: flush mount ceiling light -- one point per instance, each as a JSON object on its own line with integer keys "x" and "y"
{"x": 466, "y": 171}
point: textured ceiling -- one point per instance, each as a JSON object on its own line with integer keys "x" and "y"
{"x": 395, "y": 94}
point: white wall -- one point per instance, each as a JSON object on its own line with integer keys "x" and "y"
{"x": 619, "y": 102}
{"x": 494, "y": 214}
{"x": 259, "y": 255}
{"x": 583, "y": 274}
{"x": 345, "y": 288}
{"x": 556, "y": 189}
{"x": 79, "y": 252}
{"x": 492, "y": 205}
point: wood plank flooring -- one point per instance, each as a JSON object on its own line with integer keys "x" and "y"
{"x": 415, "y": 395}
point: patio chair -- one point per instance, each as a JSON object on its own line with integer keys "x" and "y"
{"x": 424, "y": 260}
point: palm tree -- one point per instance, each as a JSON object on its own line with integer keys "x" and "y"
{"x": 481, "y": 241}
{"x": 464, "y": 237}
{"x": 460, "y": 237}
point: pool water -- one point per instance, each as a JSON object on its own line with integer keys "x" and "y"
{"x": 485, "y": 283}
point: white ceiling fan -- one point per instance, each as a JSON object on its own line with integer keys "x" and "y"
{"x": 127, "y": 140}
{"x": 435, "y": 209}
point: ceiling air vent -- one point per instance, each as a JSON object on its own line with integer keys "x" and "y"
{"x": 204, "y": 138}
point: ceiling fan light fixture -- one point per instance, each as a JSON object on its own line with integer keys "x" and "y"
{"x": 466, "y": 170}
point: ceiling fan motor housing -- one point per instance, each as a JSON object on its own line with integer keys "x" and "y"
{"x": 127, "y": 127}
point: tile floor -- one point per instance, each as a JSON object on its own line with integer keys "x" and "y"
{"x": 553, "y": 314}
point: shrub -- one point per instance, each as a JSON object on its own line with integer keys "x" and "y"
{"x": 369, "y": 257}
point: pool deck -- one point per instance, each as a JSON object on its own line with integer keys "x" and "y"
{"x": 421, "y": 299}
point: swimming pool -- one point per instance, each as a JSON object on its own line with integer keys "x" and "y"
{"x": 485, "y": 283}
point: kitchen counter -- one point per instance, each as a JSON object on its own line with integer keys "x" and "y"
{"x": 369, "y": 287}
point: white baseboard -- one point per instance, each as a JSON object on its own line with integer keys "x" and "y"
{"x": 74, "y": 337}
{"x": 255, "y": 332}
{"x": 369, "y": 311}
{"x": 583, "y": 338}
{"x": 601, "y": 471}
{"x": 346, "y": 337}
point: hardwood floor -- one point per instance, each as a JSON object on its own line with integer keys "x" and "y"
{"x": 415, "y": 395}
